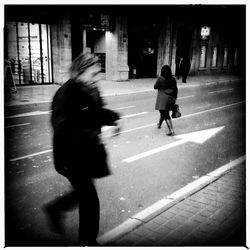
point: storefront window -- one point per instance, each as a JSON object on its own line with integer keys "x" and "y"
{"x": 214, "y": 57}
{"x": 235, "y": 58}
{"x": 203, "y": 57}
{"x": 225, "y": 58}
{"x": 28, "y": 48}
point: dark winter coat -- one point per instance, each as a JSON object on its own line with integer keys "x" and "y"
{"x": 167, "y": 93}
{"x": 185, "y": 66}
{"x": 78, "y": 114}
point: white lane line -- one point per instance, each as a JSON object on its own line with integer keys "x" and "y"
{"x": 185, "y": 116}
{"x": 209, "y": 110}
{"x": 217, "y": 91}
{"x": 132, "y": 115}
{"x": 167, "y": 202}
{"x": 30, "y": 114}
{"x": 184, "y": 97}
{"x": 31, "y": 155}
{"x": 48, "y": 112}
{"x": 17, "y": 125}
{"x": 128, "y": 107}
{"x": 134, "y": 129}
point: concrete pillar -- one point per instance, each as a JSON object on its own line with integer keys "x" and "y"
{"x": 117, "y": 51}
{"x": 61, "y": 47}
{"x": 166, "y": 46}
{"x": 195, "y": 60}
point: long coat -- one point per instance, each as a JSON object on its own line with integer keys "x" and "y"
{"x": 78, "y": 114}
{"x": 167, "y": 93}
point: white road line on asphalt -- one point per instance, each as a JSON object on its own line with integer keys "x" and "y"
{"x": 30, "y": 114}
{"x": 136, "y": 114}
{"x": 217, "y": 91}
{"x": 209, "y": 110}
{"x": 49, "y": 111}
{"x": 184, "y": 97}
{"x": 31, "y": 155}
{"x": 167, "y": 202}
{"x": 185, "y": 116}
{"x": 17, "y": 125}
{"x": 134, "y": 129}
{"x": 128, "y": 107}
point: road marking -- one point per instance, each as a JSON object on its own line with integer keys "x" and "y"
{"x": 197, "y": 137}
{"x": 167, "y": 202}
{"x": 30, "y": 114}
{"x": 184, "y": 97}
{"x": 17, "y": 125}
{"x": 223, "y": 90}
{"x": 182, "y": 117}
{"x": 49, "y": 111}
{"x": 209, "y": 110}
{"x": 134, "y": 129}
{"x": 31, "y": 155}
{"x": 136, "y": 114}
{"x": 128, "y": 107}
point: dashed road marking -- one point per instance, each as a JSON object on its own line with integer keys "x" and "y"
{"x": 217, "y": 91}
{"x": 17, "y": 125}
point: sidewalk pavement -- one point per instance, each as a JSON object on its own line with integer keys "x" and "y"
{"x": 31, "y": 95}
{"x": 208, "y": 212}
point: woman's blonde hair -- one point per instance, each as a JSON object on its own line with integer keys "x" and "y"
{"x": 81, "y": 63}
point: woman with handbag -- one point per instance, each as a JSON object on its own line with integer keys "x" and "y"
{"x": 78, "y": 114}
{"x": 166, "y": 97}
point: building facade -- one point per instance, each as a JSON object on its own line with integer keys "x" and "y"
{"x": 131, "y": 41}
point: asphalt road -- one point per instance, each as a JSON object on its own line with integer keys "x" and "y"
{"x": 216, "y": 112}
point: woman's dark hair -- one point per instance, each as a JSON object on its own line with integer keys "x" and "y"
{"x": 166, "y": 72}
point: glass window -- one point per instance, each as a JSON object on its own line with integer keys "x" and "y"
{"x": 203, "y": 56}
{"x": 28, "y": 50}
{"x": 214, "y": 57}
{"x": 225, "y": 58}
{"x": 236, "y": 58}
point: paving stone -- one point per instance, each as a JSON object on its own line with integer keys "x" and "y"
{"x": 207, "y": 218}
{"x": 172, "y": 224}
{"x": 151, "y": 225}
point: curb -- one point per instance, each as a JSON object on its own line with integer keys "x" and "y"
{"x": 162, "y": 205}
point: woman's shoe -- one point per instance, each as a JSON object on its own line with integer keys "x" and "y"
{"x": 171, "y": 134}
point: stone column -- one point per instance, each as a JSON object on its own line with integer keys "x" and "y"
{"x": 61, "y": 47}
{"x": 117, "y": 51}
{"x": 166, "y": 45}
{"x": 196, "y": 51}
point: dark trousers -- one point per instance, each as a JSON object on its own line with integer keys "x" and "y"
{"x": 84, "y": 194}
{"x": 184, "y": 78}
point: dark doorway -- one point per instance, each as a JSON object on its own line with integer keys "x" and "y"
{"x": 142, "y": 48}
{"x": 183, "y": 45}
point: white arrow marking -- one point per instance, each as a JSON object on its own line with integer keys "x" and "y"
{"x": 197, "y": 137}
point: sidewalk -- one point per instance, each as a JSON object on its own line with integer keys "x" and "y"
{"x": 212, "y": 214}
{"x": 30, "y": 95}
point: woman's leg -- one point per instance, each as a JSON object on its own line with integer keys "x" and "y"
{"x": 162, "y": 118}
{"x": 169, "y": 124}
{"x": 89, "y": 211}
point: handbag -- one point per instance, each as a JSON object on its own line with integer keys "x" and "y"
{"x": 176, "y": 113}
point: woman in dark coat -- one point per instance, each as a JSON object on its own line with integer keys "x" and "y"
{"x": 166, "y": 96}
{"x": 78, "y": 114}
